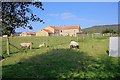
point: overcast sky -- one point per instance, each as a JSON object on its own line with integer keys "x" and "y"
{"x": 85, "y": 14}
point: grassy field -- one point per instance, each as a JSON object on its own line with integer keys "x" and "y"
{"x": 58, "y": 61}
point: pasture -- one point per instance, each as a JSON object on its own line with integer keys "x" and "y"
{"x": 58, "y": 61}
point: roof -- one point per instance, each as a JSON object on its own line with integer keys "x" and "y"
{"x": 47, "y": 30}
{"x": 65, "y": 27}
{"x": 71, "y": 27}
{"x": 29, "y": 33}
{"x": 56, "y": 27}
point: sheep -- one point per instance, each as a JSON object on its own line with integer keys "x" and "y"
{"x": 74, "y": 44}
{"x": 26, "y": 45}
{"x": 42, "y": 45}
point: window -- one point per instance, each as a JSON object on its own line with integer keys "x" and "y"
{"x": 74, "y": 30}
{"x": 56, "y": 31}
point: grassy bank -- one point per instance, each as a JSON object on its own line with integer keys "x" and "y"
{"x": 58, "y": 61}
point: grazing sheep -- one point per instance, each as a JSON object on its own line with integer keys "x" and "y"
{"x": 26, "y": 45}
{"x": 42, "y": 45}
{"x": 74, "y": 44}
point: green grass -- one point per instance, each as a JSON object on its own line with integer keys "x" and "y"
{"x": 58, "y": 61}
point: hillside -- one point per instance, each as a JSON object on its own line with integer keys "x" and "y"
{"x": 100, "y": 28}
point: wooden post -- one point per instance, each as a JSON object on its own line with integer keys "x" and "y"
{"x": 8, "y": 47}
{"x": 83, "y": 40}
{"x": 30, "y": 47}
{"x": 46, "y": 43}
{"x": 77, "y": 39}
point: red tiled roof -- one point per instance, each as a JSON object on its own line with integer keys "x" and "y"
{"x": 71, "y": 27}
{"x": 56, "y": 27}
{"x": 29, "y": 33}
{"x": 65, "y": 27}
{"x": 48, "y": 31}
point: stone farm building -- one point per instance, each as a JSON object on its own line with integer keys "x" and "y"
{"x": 28, "y": 34}
{"x": 59, "y": 31}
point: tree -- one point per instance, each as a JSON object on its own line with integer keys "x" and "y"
{"x": 118, "y": 31}
{"x": 108, "y": 31}
{"x": 18, "y": 14}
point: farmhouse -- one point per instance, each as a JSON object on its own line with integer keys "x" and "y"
{"x": 28, "y": 34}
{"x": 59, "y": 31}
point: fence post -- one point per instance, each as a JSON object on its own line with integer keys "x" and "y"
{"x": 77, "y": 39}
{"x": 8, "y": 47}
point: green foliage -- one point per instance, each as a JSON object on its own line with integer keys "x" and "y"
{"x": 8, "y": 31}
{"x": 108, "y": 31}
{"x": 18, "y": 14}
{"x": 118, "y": 31}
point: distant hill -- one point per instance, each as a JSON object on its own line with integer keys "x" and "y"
{"x": 100, "y": 28}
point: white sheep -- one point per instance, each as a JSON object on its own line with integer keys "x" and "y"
{"x": 42, "y": 45}
{"x": 26, "y": 45}
{"x": 74, "y": 44}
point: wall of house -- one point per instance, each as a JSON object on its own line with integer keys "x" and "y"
{"x": 23, "y": 34}
{"x": 70, "y": 32}
{"x": 42, "y": 33}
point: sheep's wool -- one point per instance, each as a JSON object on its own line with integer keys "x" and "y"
{"x": 73, "y": 43}
{"x": 41, "y": 45}
{"x": 25, "y": 44}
